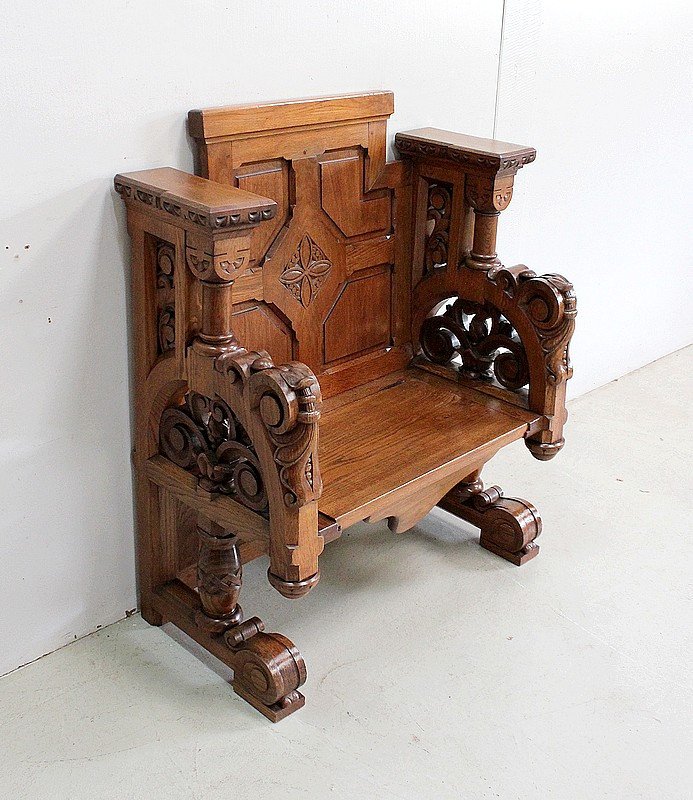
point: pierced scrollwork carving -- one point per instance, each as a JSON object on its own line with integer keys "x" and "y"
{"x": 205, "y": 437}
{"x": 485, "y": 335}
{"x": 165, "y": 296}
{"x": 437, "y": 226}
{"x": 482, "y": 338}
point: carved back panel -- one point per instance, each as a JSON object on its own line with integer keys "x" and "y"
{"x": 328, "y": 282}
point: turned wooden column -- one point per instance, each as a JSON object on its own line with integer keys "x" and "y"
{"x": 219, "y": 577}
{"x": 217, "y": 261}
{"x": 488, "y": 195}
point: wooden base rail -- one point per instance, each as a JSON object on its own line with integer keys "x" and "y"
{"x": 323, "y": 337}
{"x": 268, "y": 669}
{"x": 508, "y": 525}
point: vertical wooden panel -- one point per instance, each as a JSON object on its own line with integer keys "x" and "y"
{"x": 268, "y": 179}
{"x": 360, "y": 318}
{"x": 259, "y": 328}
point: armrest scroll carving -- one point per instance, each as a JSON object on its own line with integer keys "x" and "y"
{"x": 281, "y": 404}
{"x": 286, "y": 399}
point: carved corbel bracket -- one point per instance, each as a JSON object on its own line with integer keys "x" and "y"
{"x": 286, "y": 399}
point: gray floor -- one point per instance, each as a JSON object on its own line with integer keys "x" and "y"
{"x": 436, "y": 670}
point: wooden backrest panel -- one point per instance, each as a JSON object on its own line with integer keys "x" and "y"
{"x": 328, "y": 281}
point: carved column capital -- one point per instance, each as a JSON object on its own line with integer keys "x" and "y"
{"x": 217, "y": 260}
{"x": 489, "y": 193}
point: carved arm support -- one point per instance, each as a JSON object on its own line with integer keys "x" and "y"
{"x": 247, "y": 428}
{"x": 506, "y": 330}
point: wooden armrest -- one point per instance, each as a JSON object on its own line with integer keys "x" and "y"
{"x": 506, "y": 331}
{"x": 193, "y": 200}
{"x": 472, "y": 152}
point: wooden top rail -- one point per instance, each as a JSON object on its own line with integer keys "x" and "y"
{"x": 212, "y": 123}
{"x": 204, "y": 203}
{"x": 471, "y": 152}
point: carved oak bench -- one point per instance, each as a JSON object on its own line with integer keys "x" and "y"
{"x": 323, "y": 337}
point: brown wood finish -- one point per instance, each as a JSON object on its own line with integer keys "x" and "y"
{"x": 303, "y": 266}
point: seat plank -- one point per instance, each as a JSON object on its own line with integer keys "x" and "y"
{"x": 413, "y": 428}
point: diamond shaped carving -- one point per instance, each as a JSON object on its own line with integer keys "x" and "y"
{"x": 306, "y": 271}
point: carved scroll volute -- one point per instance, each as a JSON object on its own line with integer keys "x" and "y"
{"x": 283, "y": 410}
{"x": 488, "y": 195}
{"x": 286, "y": 399}
{"x": 550, "y": 304}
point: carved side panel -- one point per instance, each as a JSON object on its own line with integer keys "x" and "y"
{"x": 514, "y": 327}
{"x": 360, "y": 319}
{"x": 438, "y": 214}
{"x": 165, "y": 259}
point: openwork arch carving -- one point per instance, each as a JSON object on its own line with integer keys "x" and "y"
{"x": 515, "y": 327}
{"x": 481, "y": 339}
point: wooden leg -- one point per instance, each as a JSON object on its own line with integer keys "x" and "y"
{"x": 508, "y": 525}
{"x": 268, "y": 668}
{"x": 148, "y": 548}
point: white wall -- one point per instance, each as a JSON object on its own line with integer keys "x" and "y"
{"x": 93, "y": 88}
{"x": 603, "y": 91}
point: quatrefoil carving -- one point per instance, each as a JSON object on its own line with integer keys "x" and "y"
{"x": 306, "y": 271}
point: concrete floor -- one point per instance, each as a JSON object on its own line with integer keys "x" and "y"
{"x": 436, "y": 670}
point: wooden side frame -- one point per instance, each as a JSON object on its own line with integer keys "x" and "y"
{"x": 507, "y": 331}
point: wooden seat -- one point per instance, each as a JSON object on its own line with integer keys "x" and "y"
{"x": 431, "y": 431}
{"x": 323, "y": 337}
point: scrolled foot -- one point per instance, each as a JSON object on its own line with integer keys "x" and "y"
{"x": 268, "y": 669}
{"x": 508, "y": 525}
